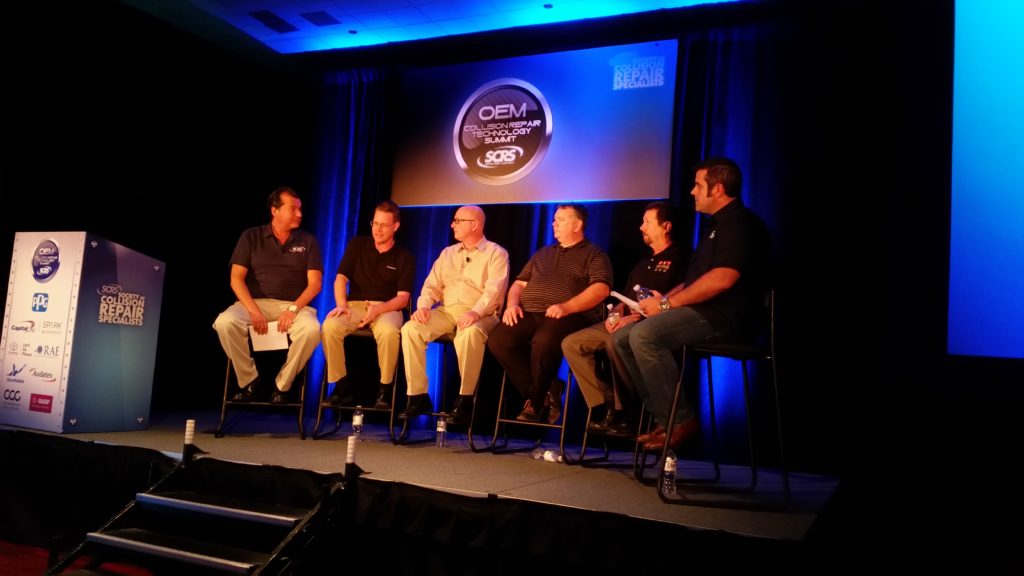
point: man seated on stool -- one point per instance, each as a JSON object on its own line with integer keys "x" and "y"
{"x": 720, "y": 300}
{"x": 660, "y": 271}
{"x": 275, "y": 273}
{"x": 372, "y": 286}
{"x": 468, "y": 280}
{"x": 559, "y": 291}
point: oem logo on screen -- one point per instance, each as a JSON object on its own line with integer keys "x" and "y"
{"x": 502, "y": 131}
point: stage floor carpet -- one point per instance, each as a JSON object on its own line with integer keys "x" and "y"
{"x": 272, "y": 438}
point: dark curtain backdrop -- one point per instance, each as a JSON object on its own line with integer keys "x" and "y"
{"x": 718, "y": 80}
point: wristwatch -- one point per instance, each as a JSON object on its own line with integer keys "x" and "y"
{"x": 664, "y": 304}
{"x": 293, "y": 308}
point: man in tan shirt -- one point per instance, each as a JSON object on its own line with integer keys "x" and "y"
{"x": 461, "y": 296}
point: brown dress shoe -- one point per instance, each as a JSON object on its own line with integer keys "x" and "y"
{"x": 680, "y": 432}
{"x": 658, "y": 432}
{"x": 529, "y": 413}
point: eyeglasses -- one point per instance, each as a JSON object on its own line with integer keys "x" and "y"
{"x": 461, "y": 220}
{"x": 380, "y": 224}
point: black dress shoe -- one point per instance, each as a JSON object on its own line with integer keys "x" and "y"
{"x": 247, "y": 394}
{"x": 418, "y": 404}
{"x": 620, "y": 429}
{"x": 601, "y": 425}
{"x": 384, "y": 397}
{"x": 461, "y": 412}
{"x": 341, "y": 395}
{"x": 279, "y": 397}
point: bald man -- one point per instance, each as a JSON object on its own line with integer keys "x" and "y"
{"x": 461, "y": 297}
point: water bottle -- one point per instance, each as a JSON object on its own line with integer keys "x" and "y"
{"x": 357, "y": 423}
{"x": 641, "y": 292}
{"x": 613, "y": 317}
{"x": 668, "y": 484}
{"x": 442, "y": 432}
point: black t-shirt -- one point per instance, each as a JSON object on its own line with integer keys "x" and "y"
{"x": 661, "y": 272}
{"x": 373, "y": 275}
{"x": 276, "y": 271}
{"x": 734, "y": 237}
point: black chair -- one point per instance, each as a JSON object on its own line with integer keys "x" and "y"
{"x": 743, "y": 353}
{"x": 323, "y": 405}
{"x": 504, "y": 419}
{"x": 230, "y": 387}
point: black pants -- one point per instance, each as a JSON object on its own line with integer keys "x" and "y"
{"x": 531, "y": 351}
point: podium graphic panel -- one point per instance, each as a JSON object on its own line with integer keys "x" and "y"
{"x": 80, "y": 334}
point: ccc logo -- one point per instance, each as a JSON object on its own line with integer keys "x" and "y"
{"x": 14, "y": 395}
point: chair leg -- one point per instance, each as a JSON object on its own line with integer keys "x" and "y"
{"x": 499, "y": 416}
{"x": 219, "y": 433}
{"x": 302, "y": 405}
{"x": 321, "y": 406}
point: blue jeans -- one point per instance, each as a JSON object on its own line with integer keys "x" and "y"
{"x": 648, "y": 350}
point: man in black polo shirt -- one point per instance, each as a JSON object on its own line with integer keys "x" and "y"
{"x": 559, "y": 291}
{"x": 276, "y": 272}
{"x": 372, "y": 287}
{"x": 662, "y": 269}
{"x": 721, "y": 299}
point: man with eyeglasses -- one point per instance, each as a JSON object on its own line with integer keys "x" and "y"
{"x": 372, "y": 287}
{"x": 461, "y": 297}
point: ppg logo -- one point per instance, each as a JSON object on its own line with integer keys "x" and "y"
{"x": 12, "y": 395}
{"x": 40, "y": 301}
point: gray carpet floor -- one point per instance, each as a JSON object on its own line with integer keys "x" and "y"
{"x": 272, "y": 438}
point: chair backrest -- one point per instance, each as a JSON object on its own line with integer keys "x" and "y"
{"x": 761, "y": 346}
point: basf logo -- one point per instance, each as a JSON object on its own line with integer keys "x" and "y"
{"x": 45, "y": 261}
{"x": 502, "y": 131}
{"x": 40, "y": 403}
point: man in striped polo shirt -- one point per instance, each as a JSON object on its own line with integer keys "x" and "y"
{"x": 559, "y": 291}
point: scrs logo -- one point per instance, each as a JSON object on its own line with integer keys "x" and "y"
{"x": 45, "y": 261}
{"x": 502, "y": 132}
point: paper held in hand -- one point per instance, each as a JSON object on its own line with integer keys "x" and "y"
{"x": 629, "y": 302}
{"x": 272, "y": 340}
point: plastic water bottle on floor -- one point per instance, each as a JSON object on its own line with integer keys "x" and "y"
{"x": 442, "y": 433}
{"x": 545, "y": 455}
{"x": 357, "y": 423}
{"x": 668, "y": 485}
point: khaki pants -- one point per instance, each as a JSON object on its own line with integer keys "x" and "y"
{"x": 385, "y": 330}
{"x": 470, "y": 345}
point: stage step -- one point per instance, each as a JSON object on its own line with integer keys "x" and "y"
{"x": 210, "y": 517}
{"x": 204, "y": 554}
{"x": 259, "y": 512}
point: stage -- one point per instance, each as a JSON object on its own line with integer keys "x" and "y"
{"x": 458, "y": 511}
{"x": 272, "y": 438}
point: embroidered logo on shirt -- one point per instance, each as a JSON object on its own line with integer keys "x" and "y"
{"x": 296, "y": 249}
{"x": 662, "y": 265}
{"x": 390, "y": 267}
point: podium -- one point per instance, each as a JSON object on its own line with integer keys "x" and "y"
{"x": 79, "y": 335}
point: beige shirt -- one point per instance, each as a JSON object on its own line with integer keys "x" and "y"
{"x": 474, "y": 278}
